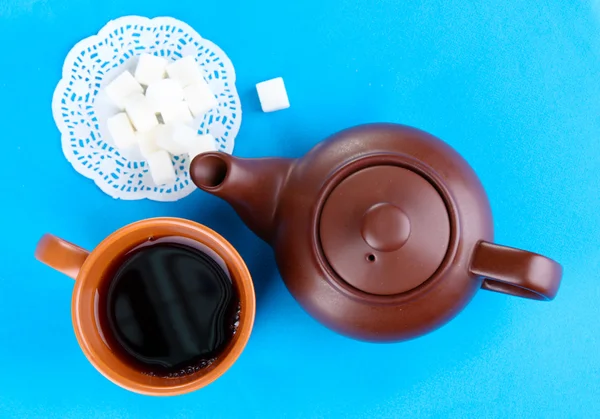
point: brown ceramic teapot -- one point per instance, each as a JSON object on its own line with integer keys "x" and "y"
{"x": 382, "y": 232}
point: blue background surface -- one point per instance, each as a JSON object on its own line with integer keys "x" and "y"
{"x": 513, "y": 85}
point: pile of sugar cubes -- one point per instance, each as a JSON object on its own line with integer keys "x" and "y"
{"x": 157, "y": 105}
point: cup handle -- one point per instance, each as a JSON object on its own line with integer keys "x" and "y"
{"x": 61, "y": 255}
{"x": 516, "y": 272}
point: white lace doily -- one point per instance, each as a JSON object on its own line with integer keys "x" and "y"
{"x": 80, "y": 109}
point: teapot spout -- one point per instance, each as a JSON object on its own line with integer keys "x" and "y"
{"x": 251, "y": 186}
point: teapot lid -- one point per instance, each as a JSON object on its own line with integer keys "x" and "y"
{"x": 384, "y": 230}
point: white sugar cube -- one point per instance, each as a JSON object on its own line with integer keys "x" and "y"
{"x": 272, "y": 94}
{"x": 146, "y": 141}
{"x": 121, "y": 88}
{"x": 150, "y": 69}
{"x": 186, "y": 71}
{"x": 179, "y": 112}
{"x": 121, "y": 131}
{"x": 163, "y": 94}
{"x": 164, "y": 140}
{"x": 174, "y": 138}
{"x": 161, "y": 167}
{"x": 183, "y": 135}
{"x": 140, "y": 113}
{"x": 199, "y": 98}
{"x": 202, "y": 144}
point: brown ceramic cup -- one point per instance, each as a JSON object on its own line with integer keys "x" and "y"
{"x": 91, "y": 269}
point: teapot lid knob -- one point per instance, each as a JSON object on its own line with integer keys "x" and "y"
{"x": 384, "y": 230}
{"x": 385, "y": 227}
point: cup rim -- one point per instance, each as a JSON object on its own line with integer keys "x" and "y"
{"x": 239, "y": 275}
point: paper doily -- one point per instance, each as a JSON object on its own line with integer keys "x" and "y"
{"x": 80, "y": 108}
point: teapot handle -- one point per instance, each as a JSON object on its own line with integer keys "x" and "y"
{"x": 516, "y": 272}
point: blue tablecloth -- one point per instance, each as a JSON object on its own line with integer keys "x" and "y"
{"x": 513, "y": 85}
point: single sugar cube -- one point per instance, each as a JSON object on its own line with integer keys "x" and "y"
{"x": 150, "y": 69}
{"x": 161, "y": 167}
{"x": 199, "y": 98}
{"x": 163, "y": 94}
{"x": 121, "y": 88}
{"x": 272, "y": 94}
{"x": 179, "y": 112}
{"x": 183, "y": 135}
{"x": 146, "y": 141}
{"x": 186, "y": 71}
{"x": 174, "y": 137}
{"x": 164, "y": 140}
{"x": 140, "y": 113}
{"x": 202, "y": 144}
{"x": 121, "y": 131}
